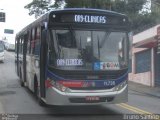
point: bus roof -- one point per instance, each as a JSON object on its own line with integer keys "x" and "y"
{"x": 45, "y": 17}
{"x": 87, "y": 10}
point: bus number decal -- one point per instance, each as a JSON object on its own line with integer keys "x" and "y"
{"x": 109, "y": 83}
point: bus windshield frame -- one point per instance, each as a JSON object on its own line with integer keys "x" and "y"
{"x": 88, "y": 46}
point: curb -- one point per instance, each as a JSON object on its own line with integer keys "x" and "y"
{"x": 1, "y": 108}
{"x": 146, "y": 93}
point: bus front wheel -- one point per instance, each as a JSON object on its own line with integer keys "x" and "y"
{"x": 41, "y": 102}
{"x": 21, "y": 81}
{"x": 36, "y": 92}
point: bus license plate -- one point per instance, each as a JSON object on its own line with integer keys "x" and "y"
{"x": 92, "y": 98}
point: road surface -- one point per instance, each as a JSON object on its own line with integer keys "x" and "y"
{"x": 16, "y": 100}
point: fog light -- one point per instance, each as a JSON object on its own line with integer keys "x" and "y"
{"x": 63, "y": 88}
{"x": 120, "y": 86}
{"x": 56, "y": 84}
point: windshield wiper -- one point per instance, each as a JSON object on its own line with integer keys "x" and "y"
{"x": 99, "y": 52}
{"x": 73, "y": 37}
{"x": 58, "y": 45}
{"x": 105, "y": 38}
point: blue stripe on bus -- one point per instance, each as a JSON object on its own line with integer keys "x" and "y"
{"x": 107, "y": 83}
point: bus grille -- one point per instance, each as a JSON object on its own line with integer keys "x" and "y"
{"x": 89, "y": 75}
{"x": 94, "y": 75}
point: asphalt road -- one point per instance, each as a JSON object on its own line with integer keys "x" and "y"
{"x": 15, "y": 99}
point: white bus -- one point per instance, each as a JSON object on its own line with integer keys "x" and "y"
{"x": 1, "y": 51}
{"x": 75, "y": 57}
{"x": 9, "y": 38}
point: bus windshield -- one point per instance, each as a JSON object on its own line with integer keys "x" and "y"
{"x": 1, "y": 47}
{"x": 88, "y": 50}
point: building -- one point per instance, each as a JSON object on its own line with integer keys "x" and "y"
{"x": 155, "y": 8}
{"x": 145, "y": 67}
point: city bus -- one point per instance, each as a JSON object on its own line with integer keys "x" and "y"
{"x": 75, "y": 56}
{"x": 1, "y": 51}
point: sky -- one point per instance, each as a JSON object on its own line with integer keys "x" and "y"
{"x": 16, "y": 15}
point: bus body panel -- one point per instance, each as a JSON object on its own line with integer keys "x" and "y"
{"x": 1, "y": 51}
{"x": 2, "y": 56}
{"x": 55, "y": 97}
{"x": 30, "y": 72}
{"x": 33, "y": 71}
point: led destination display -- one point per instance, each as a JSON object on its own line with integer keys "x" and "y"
{"x": 88, "y": 19}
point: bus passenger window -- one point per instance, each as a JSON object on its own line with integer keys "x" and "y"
{"x": 37, "y": 42}
{"x": 33, "y": 41}
{"x": 29, "y": 43}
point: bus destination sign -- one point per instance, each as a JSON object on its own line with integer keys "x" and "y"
{"x": 90, "y": 19}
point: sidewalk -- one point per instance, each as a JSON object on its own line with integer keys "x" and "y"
{"x": 153, "y": 91}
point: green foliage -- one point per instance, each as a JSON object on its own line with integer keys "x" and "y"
{"x": 77, "y": 4}
{"x": 128, "y": 6}
{"x": 131, "y": 8}
{"x": 58, "y": 4}
{"x": 101, "y": 4}
{"x": 38, "y": 7}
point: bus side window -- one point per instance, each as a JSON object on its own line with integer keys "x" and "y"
{"x": 29, "y": 43}
{"x": 33, "y": 41}
{"x": 25, "y": 43}
{"x": 16, "y": 45}
{"x": 37, "y": 41}
{"x": 20, "y": 46}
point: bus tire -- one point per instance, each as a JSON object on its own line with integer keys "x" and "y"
{"x": 35, "y": 87}
{"x": 22, "y": 84}
{"x": 41, "y": 102}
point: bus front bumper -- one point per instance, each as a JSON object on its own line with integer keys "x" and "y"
{"x": 56, "y": 97}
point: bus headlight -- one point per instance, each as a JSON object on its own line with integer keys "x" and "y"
{"x": 120, "y": 86}
{"x": 56, "y": 84}
{"x": 60, "y": 87}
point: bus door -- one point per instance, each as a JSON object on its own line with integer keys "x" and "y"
{"x": 20, "y": 57}
{"x": 29, "y": 61}
{"x": 33, "y": 58}
{"x": 25, "y": 37}
{"x": 16, "y": 55}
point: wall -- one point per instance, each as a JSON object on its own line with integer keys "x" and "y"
{"x": 144, "y": 78}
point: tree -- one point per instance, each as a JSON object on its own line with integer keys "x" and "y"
{"x": 100, "y": 4}
{"x": 124, "y": 6}
{"x": 132, "y": 8}
{"x": 38, "y": 7}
